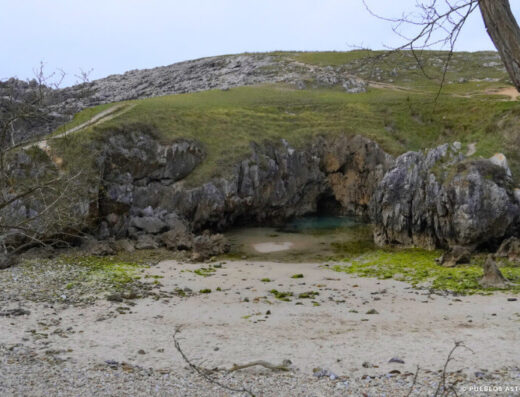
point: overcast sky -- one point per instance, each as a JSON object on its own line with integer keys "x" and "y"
{"x": 113, "y": 36}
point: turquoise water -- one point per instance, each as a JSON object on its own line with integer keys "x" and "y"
{"x": 311, "y": 224}
{"x": 311, "y": 238}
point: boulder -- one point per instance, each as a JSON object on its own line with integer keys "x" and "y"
{"x": 148, "y": 224}
{"x": 500, "y": 160}
{"x": 492, "y": 278}
{"x": 439, "y": 199}
{"x": 179, "y": 237}
{"x": 510, "y": 249}
{"x": 145, "y": 242}
{"x": 124, "y": 245}
{"x": 207, "y": 245}
{"x": 456, "y": 255}
{"x": 97, "y": 248}
{"x": 7, "y": 261}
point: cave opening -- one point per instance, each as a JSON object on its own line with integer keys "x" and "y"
{"x": 327, "y": 205}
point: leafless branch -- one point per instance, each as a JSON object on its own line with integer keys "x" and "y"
{"x": 204, "y": 373}
{"x": 435, "y": 25}
{"x": 413, "y": 383}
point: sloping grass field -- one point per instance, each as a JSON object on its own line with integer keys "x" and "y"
{"x": 226, "y": 122}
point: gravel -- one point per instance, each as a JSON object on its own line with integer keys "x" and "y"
{"x": 25, "y": 372}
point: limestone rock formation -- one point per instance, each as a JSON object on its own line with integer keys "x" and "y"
{"x": 456, "y": 255}
{"x": 493, "y": 277}
{"x": 440, "y": 199}
{"x": 6, "y": 261}
{"x": 510, "y": 249}
{"x": 207, "y": 245}
{"x": 432, "y": 199}
{"x": 354, "y": 167}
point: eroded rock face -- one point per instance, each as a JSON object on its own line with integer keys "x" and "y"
{"x": 425, "y": 199}
{"x": 354, "y": 167}
{"x": 275, "y": 183}
{"x": 439, "y": 199}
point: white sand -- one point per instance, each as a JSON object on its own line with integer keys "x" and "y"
{"x": 266, "y": 248}
{"x": 223, "y": 329}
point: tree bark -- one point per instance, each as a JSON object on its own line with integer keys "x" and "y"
{"x": 504, "y": 31}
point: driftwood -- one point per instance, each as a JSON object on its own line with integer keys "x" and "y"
{"x": 284, "y": 366}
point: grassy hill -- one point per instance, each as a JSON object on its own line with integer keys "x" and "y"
{"x": 398, "y": 110}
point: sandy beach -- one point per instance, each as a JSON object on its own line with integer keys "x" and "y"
{"x": 347, "y": 325}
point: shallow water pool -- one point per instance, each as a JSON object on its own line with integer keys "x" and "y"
{"x": 302, "y": 239}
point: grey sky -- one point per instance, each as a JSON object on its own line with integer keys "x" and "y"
{"x": 113, "y": 36}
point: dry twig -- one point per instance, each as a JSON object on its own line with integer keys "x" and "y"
{"x": 204, "y": 373}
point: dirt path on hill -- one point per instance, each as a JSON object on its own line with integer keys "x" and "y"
{"x": 105, "y": 115}
{"x": 510, "y": 92}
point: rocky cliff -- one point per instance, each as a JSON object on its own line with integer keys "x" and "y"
{"x": 438, "y": 198}
{"x": 430, "y": 199}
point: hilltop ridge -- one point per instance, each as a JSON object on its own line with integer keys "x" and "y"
{"x": 348, "y": 71}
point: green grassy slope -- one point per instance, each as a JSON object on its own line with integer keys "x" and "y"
{"x": 400, "y": 115}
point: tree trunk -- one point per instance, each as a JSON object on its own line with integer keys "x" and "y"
{"x": 504, "y": 31}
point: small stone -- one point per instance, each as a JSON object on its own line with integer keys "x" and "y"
{"x": 512, "y": 299}
{"x": 372, "y": 311}
{"x": 396, "y": 360}
{"x": 141, "y": 351}
{"x": 115, "y": 297}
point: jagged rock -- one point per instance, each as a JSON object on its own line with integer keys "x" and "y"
{"x": 174, "y": 240}
{"x": 457, "y": 255}
{"x": 7, "y": 261}
{"x": 510, "y": 249}
{"x": 439, "y": 199}
{"x": 124, "y": 245}
{"x": 207, "y": 245}
{"x": 148, "y": 224}
{"x": 97, "y": 248}
{"x": 354, "y": 85}
{"x": 428, "y": 199}
{"x": 179, "y": 236}
{"x": 133, "y": 154}
{"x": 500, "y": 160}
{"x": 354, "y": 168}
{"x": 492, "y": 278}
{"x": 145, "y": 242}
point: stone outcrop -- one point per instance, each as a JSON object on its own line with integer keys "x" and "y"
{"x": 430, "y": 199}
{"x": 509, "y": 249}
{"x": 142, "y": 196}
{"x": 441, "y": 199}
{"x": 493, "y": 277}
{"x": 354, "y": 167}
{"x": 456, "y": 255}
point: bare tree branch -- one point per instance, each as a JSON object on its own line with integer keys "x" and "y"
{"x": 203, "y": 372}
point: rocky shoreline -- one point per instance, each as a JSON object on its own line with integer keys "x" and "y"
{"x": 137, "y": 196}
